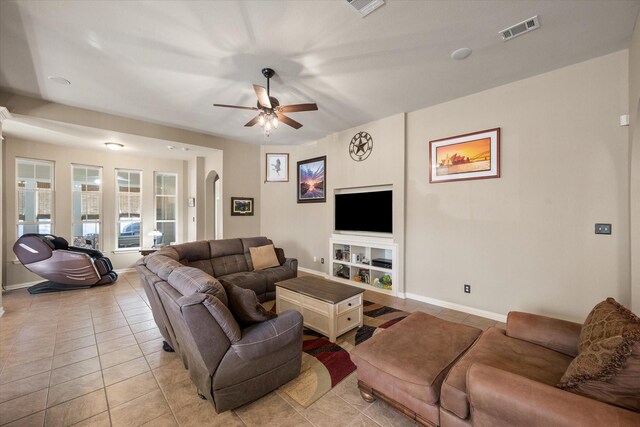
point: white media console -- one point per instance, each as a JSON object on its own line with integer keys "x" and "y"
{"x": 363, "y": 261}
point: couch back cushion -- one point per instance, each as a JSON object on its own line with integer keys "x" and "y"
{"x": 607, "y": 367}
{"x": 195, "y": 254}
{"x": 227, "y": 257}
{"x": 161, "y": 265}
{"x": 263, "y": 257}
{"x": 190, "y": 280}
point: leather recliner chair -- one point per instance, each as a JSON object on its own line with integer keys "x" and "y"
{"x": 65, "y": 267}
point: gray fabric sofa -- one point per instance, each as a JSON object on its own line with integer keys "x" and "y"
{"x": 230, "y": 364}
{"x": 227, "y": 260}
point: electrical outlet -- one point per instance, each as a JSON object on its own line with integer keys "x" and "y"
{"x": 603, "y": 228}
{"x": 321, "y": 260}
{"x": 467, "y": 289}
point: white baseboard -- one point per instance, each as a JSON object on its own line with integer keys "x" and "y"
{"x": 465, "y": 309}
{"x": 310, "y": 271}
{"x": 22, "y": 285}
{"x": 1, "y": 311}
{"x": 125, "y": 270}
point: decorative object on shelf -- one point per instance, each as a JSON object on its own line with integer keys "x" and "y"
{"x": 270, "y": 110}
{"x": 242, "y": 206}
{"x": 155, "y": 234}
{"x": 360, "y": 146}
{"x": 312, "y": 180}
{"x": 277, "y": 167}
{"x": 463, "y": 157}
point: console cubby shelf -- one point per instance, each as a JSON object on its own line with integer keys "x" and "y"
{"x": 352, "y": 262}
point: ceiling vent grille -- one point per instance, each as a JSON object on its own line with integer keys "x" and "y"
{"x": 365, "y": 7}
{"x": 520, "y": 28}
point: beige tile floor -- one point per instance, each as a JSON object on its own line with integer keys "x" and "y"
{"x": 94, "y": 358}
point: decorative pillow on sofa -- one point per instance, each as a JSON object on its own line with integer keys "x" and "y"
{"x": 245, "y": 306}
{"x": 607, "y": 367}
{"x": 607, "y": 319}
{"x": 264, "y": 257}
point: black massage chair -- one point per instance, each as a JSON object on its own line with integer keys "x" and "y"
{"x": 66, "y": 267}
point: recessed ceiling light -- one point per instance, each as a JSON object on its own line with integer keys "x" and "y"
{"x": 59, "y": 80}
{"x": 114, "y": 146}
{"x": 185, "y": 149}
{"x": 461, "y": 53}
{"x": 171, "y": 147}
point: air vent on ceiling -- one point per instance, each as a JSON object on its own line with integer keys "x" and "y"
{"x": 520, "y": 28}
{"x": 365, "y": 7}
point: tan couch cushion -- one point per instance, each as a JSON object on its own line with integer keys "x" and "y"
{"x": 264, "y": 257}
{"x": 608, "y": 365}
{"x": 495, "y": 349}
{"x": 413, "y": 356}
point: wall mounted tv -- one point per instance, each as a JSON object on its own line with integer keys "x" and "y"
{"x": 370, "y": 211}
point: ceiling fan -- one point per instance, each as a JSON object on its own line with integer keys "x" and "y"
{"x": 270, "y": 110}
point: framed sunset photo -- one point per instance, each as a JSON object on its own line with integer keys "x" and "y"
{"x": 312, "y": 180}
{"x": 463, "y": 157}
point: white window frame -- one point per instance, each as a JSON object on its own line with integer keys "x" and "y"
{"x": 38, "y": 192}
{"x": 117, "y": 206}
{"x": 156, "y": 221}
{"x": 100, "y": 245}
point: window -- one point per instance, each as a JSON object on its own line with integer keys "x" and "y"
{"x": 166, "y": 192}
{"x": 34, "y": 182}
{"x": 86, "y": 206}
{"x": 128, "y": 204}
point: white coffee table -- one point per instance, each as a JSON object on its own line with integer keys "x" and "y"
{"x": 327, "y": 307}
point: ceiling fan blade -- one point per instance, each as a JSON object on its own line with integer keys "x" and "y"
{"x": 252, "y": 121}
{"x": 288, "y": 121}
{"x": 298, "y": 107}
{"x": 235, "y": 106}
{"x": 263, "y": 98}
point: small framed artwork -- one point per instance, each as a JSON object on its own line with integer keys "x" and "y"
{"x": 242, "y": 206}
{"x": 312, "y": 180}
{"x": 277, "y": 167}
{"x": 470, "y": 156}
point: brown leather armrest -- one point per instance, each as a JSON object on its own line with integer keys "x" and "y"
{"x": 556, "y": 334}
{"x": 500, "y": 398}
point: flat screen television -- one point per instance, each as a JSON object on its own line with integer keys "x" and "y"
{"x": 370, "y": 211}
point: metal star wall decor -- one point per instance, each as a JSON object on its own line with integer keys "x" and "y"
{"x": 360, "y": 146}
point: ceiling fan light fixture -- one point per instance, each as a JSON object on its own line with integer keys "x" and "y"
{"x": 261, "y": 120}
{"x": 274, "y": 122}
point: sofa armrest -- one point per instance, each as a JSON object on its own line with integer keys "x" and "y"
{"x": 555, "y": 334}
{"x": 292, "y": 264}
{"x": 501, "y": 398}
{"x": 269, "y": 336}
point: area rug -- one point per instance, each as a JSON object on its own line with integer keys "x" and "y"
{"x": 325, "y": 364}
{"x": 377, "y": 317}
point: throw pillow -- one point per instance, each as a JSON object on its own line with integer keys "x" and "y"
{"x": 608, "y": 371}
{"x": 607, "y": 319}
{"x": 607, "y": 367}
{"x": 264, "y": 257}
{"x": 245, "y": 306}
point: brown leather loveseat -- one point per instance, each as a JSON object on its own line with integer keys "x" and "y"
{"x": 539, "y": 371}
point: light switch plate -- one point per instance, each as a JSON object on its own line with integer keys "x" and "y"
{"x": 603, "y": 228}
